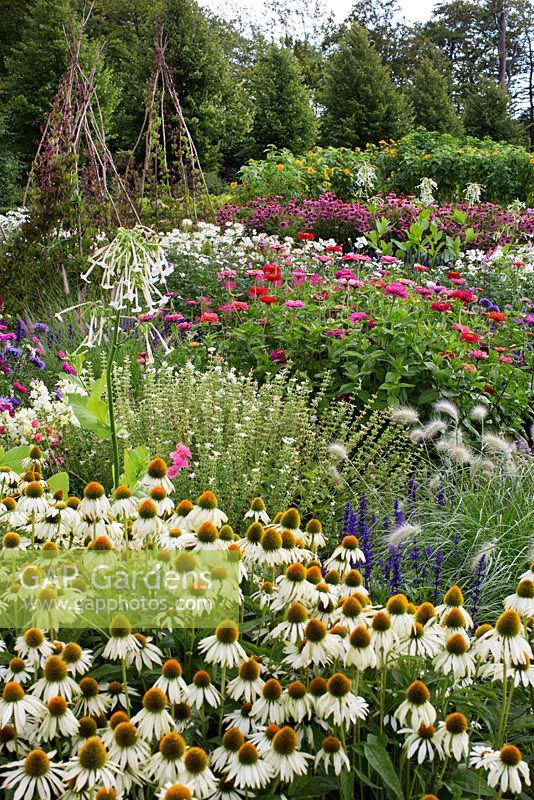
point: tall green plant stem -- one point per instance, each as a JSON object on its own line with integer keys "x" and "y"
{"x": 111, "y": 408}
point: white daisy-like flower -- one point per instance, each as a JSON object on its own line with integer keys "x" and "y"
{"x": 124, "y": 505}
{"x": 455, "y": 659}
{"x": 248, "y": 683}
{"x": 351, "y": 614}
{"x": 360, "y": 653}
{"x": 299, "y": 704}
{"x": 453, "y": 737}
{"x": 128, "y": 749}
{"x": 9, "y": 479}
{"x": 171, "y": 681}
{"x": 181, "y": 512}
{"x": 223, "y": 647}
{"x": 401, "y": 621}
{"x": 383, "y": 638}
{"x": 153, "y": 720}
{"x": 226, "y": 790}
{"x": 175, "y": 791}
{"x": 77, "y": 659}
{"x": 156, "y": 475}
{"x": 175, "y": 538}
{"x": 114, "y": 693}
{"x": 346, "y": 555}
{"x": 332, "y": 757}
{"x": 226, "y": 754}
{"x": 286, "y": 760}
{"x": 202, "y": 691}
{"x": 416, "y": 709}
{"x": 454, "y": 599}
{"x": 242, "y": 719}
{"x": 293, "y": 627}
{"x": 340, "y": 703}
{"x": 423, "y": 640}
{"x": 162, "y": 501}
{"x": 270, "y": 707}
{"x": 33, "y": 502}
{"x": 197, "y": 774}
{"x": 94, "y": 505}
{"x": 521, "y": 674}
{"x": 480, "y": 756}
{"x": 206, "y": 510}
{"x": 508, "y": 771}
{"x": 528, "y": 575}
{"x": 421, "y": 743}
{"x": 121, "y": 642}
{"x": 292, "y": 587}
{"x": 17, "y": 670}
{"x": 35, "y": 776}
{"x": 90, "y": 702}
{"x": 146, "y": 656}
{"x": 55, "y": 681}
{"x": 250, "y": 770}
{"x": 57, "y": 720}
{"x": 522, "y": 600}
{"x": 91, "y": 767}
{"x": 33, "y": 646}
{"x": 16, "y": 706}
{"x": 319, "y": 648}
{"x": 505, "y": 642}
{"x": 148, "y": 526}
{"x": 314, "y": 535}
{"x": 257, "y": 512}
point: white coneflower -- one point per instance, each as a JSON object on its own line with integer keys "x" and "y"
{"x": 507, "y": 770}
{"x": 404, "y": 415}
{"x": 115, "y": 693}
{"x": 78, "y": 660}
{"x": 116, "y": 718}
{"x": 422, "y": 640}
{"x": 34, "y": 776}
{"x": 162, "y": 501}
{"x": 402, "y": 622}
{"x": 455, "y": 659}
{"x": 55, "y": 681}
{"x": 505, "y": 642}
{"x": 350, "y": 614}
{"x": 153, "y": 720}
{"x": 90, "y": 702}
{"x": 285, "y": 759}
{"x": 299, "y": 704}
{"x": 416, "y": 709}
{"x": 383, "y": 637}
{"x": 249, "y": 770}
{"x": 121, "y": 640}
{"x": 421, "y": 743}
{"x": 448, "y": 408}
{"x": 223, "y": 647}
{"x": 175, "y": 538}
{"x": 522, "y": 600}
{"x": 17, "y": 706}
{"x": 167, "y": 765}
{"x": 175, "y": 791}
{"x": 206, "y": 510}
{"x": 257, "y": 511}
{"x": 156, "y": 475}
{"x": 57, "y": 720}
{"x": 33, "y": 502}
{"x": 453, "y": 737}
{"x": 480, "y": 756}
{"x": 454, "y": 622}
{"x": 319, "y": 648}
{"x": 340, "y": 703}
{"x": 479, "y": 412}
{"x": 128, "y": 749}
{"x": 292, "y": 586}
{"x": 248, "y": 683}
{"x": 242, "y": 719}
{"x": 12, "y": 541}
{"x": 332, "y": 756}
{"x": 226, "y": 754}
{"x": 270, "y": 706}
{"x": 315, "y": 537}
{"x": 521, "y": 674}
{"x": 271, "y": 552}
{"x": 528, "y": 575}
{"x": 9, "y": 479}
{"x": 202, "y": 691}
{"x": 197, "y": 774}
{"x": 124, "y": 505}
{"x": 206, "y": 537}
{"x": 95, "y": 505}
{"x": 352, "y": 582}
{"x": 146, "y": 656}
{"x": 454, "y": 599}
{"x": 361, "y": 653}
{"x": 181, "y": 512}
{"x": 91, "y": 767}
{"x": 345, "y": 555}
{"x": 171, "y": 681}
{"x": 17, "y": 670}
{"x": 250, "y": 544}
{"x": 148, "y": 526}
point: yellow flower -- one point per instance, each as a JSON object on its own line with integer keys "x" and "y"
{"x": 326, "y": 172}
{"x": 298, "y": 162}
{"x": 326, "y": 183}
{"x": 310, "y": 171}
{"x": 427, "y": 157}
{"x": 279, "y": 167}
{"x": 532, "y": 160}
{"x": 233, "y": 185}
{"x": 346, "y": 171}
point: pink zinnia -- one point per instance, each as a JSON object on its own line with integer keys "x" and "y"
{"x": 396, "y": 290}
{"x": 19, "y": 387}
{"x": 358, "y": 316}
{"x": 506, "y": 359}
{"x": 209, "y": 317}
{"x": 337, "y": 333}
{"x": 294, "y": 304}
{"x": 480, "y": 355}
{"x": 184, "y": 326}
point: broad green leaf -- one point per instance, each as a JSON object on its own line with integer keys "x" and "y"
{"x": 13, "y": 458}
{"x": 60, "y": 480}
{"x": 378, "y": 757}
{"x": 87, "y": 419}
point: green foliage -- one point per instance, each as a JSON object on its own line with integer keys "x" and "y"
{"x": 283, "y": 116}
{"x": 487, "y": 113}
{"x": 361, "y": 103}
{"x": 430, "y": 99}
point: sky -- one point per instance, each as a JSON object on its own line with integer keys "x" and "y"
{"x": 413, "y": 10}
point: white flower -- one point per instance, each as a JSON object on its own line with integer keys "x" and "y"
{"x": 507, "y": 770}
{"x": 249, "y": 770}
{"x": 340, "y": 703}
{"x": 34, "y": 776}
{"x": 331, "y": 756}
{"x": 171, "y": 681}
{"x": 146, "y": 655}
{"x": 223, "y": 648}
{"x": 416, "y": 709}
{"x": 523, "y": 599}
{"x": 421, "y": 742}
{"x": 16, "y": 706}
{"x": 91, "y": 767}
{"x": 286, "y": 761}
{"x": 202, "y": 691}
{"x": 453, "y": 737}
{"x": 57, "y": 720}
{"x": 128, "y": 749}
{"x": 153, "y": 720}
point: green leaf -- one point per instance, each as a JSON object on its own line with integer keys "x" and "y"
{"x": 135, "y": 462}
{"x": 311, "y": 786}
{"x": 13, "y": 458}
{"x": 60, "y": 480}
{"x": 378, "y": 758}
{"x": 87, "y": 418}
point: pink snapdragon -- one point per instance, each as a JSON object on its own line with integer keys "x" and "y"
{"x": 180, "y": 460}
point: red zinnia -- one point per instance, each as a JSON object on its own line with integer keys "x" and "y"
{"x": 257, "y": 291}
{"x": 469, "y": 336}
{"x": 497, "y": 316}
{"x": 441, "y": 307}
{"x": 268, "y": 299}
{"x": 452, "y": 275}
{"x": 462, "y": 294}
{"x": 306, "y": 237}
{"x": 209, "y": 316}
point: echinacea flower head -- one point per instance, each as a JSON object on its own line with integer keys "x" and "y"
{"x": 121, "y": 641}
{"x": 416, "y": 709}
{"x": 223, "y": 647}
{"x": 332, "y": 756}
{"x": 284, "y": 757}
{"x": 91, "y": 767}
{"x": 175, "y": 791}
{"x": 34, "y": 776}
{"x": 249, "y": 770}
{"x": 505, "y": 642}
{"x": 16, "y": 706}
{"x": 522, "y": 600}
{"x": 453, "y": 736}
{"x": 197, "y": 774}
{"x": 153, "y": 720}
{"x": 508, "y": 771}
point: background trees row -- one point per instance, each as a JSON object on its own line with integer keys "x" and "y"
{"x": 295, "y": 81}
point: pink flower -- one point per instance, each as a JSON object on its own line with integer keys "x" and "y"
{"x": 337, "y": 333}
{"x": 68, "y": 368}
{"x": 192, "y": 302}
{"x": 235, "y": 305}
{"x": 184, "y": 326}
{"x": 34, "y": 423}
{"x": 180, "y": 460}
{"x": 396, "y": 289}
{"x": 358, "y": 316}
{"x": 355, "y": 257}
{"x": 19, "y": 387}
{"x": 480, "y": 355}
{"x": 388, "y": 260}
{"x": 209, "y": 317}
{"x": 294, "y": 304}
{"x": 173, "y": 317}
{"x": 506, "y": 359}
